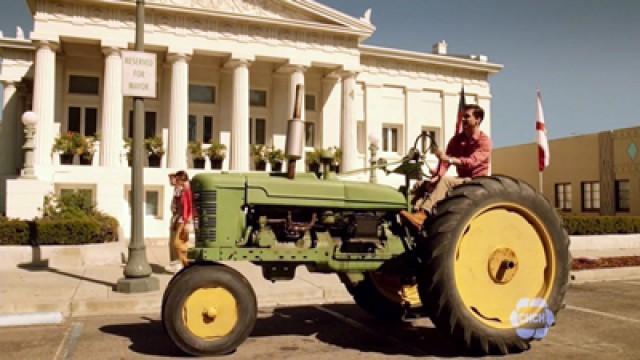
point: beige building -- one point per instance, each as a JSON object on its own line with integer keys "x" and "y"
{"x": 589, "y": 174}
{"x": 227, "y": 72}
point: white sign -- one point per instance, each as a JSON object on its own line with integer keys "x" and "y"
{"x": 139, "y": 74}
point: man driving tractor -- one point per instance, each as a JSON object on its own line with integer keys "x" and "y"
{"x": 469, "y": 151}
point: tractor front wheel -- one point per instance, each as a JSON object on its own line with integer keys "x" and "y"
{"x": 209, "y": 310}
{"x": 495, "y": 265}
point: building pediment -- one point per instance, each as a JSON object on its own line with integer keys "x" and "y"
{"x": 301, "y": 12}
{"x": 262, "y": 8}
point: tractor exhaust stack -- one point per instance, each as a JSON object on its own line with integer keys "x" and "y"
{"x": 295, "y": 134}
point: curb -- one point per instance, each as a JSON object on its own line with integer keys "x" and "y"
{"x": 608, "y": 274}
{"x": 27, "y": 319}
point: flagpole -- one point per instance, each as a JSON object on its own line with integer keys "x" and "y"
{"x": 540, "y": 182}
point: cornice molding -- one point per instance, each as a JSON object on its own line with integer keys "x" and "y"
{"x": 429, "y": 59}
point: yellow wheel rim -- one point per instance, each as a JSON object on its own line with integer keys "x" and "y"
{"x": 392, "y": 288}
{"x": 505, "y": 254}
{"x": 210, "y": 313}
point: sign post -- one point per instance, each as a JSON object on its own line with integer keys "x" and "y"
{"x": 139, "y": 80}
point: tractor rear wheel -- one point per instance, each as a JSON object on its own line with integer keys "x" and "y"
{"x": 211, "y": 310}
{"x": 495, "y": 265}
{"x": 384, "y": 296}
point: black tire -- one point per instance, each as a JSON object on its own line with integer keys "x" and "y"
{"x": 369, "y": 297}
{"x": 168, "y": 289}
{"x": 438, "y": 250}
{"x": 198, "y": 277}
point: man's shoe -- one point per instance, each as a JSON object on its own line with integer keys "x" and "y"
{"x": 415, "y": 219}
{"x": 173, "y": 267}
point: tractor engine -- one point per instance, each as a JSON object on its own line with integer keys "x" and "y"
{"x": 354, "y": 232}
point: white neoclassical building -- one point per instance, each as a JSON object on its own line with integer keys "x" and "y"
{"x": 227, "y": 71}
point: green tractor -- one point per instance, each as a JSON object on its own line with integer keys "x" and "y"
{"x": 494, "y": 252}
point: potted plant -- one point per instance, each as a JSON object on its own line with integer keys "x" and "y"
{"x": 259, "y": 154}
{"x": 276, "y": 158}
{"x": 217, "y": 153}
{"x": 86, "y": 148}
{"x": 197, "y": 154}
{"x": 127, "y": 149}
{"x": 155, "y": 149}
{"x": 66, "y": 145}
{"x": 312, "y": 158}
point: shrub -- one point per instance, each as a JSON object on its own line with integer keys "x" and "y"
{"x": 14, "y": 232}
{"x": 67, "y": 231}
{"x": 595, "y": 225}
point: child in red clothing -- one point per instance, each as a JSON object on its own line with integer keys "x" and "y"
{"x": 183, "y": 219}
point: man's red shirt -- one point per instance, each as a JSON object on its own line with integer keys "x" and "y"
{"x": 474, "y": 154}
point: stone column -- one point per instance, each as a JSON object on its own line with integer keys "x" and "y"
{"x": 349, "y": 134}
{"x": 111, "y": 130}
{"x": 239, "y": 150}
{"x": 43, "y": 100}
{"x": 178, "y": 112}
{"x": 330, "y": 124}
{"x": 9, "y": 128}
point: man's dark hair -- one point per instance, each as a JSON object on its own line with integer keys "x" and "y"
{"x": 478, "y": 112}
{"x": 182, "y": 175}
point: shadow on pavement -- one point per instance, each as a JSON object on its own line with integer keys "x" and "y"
{"x": 146, "y": 338}
{"x": 382, "y": 338}
{"x": 39, "y": 264}
{"x": 31, "y": 267}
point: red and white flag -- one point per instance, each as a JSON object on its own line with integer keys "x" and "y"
{"x": 543, "y": 142}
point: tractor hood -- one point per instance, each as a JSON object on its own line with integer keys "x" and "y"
{"x": 305, "y": 190}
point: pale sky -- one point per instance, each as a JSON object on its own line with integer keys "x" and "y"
{"x": 582, "y": 54}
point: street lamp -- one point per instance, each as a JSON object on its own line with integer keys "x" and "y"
{"x": 29, "y": 119}
{"x": 137, "y": 272}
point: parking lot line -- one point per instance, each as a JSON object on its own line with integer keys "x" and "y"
{"x": 603, "y": 314}
{"x": 68, "y": 344}
{"x": 360, "y": 326}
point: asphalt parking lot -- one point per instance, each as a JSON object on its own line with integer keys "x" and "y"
{"x": 601, "y": 321}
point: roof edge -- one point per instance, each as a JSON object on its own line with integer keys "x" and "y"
{"x": 427, "y": 58}
{"x": 12, "y": 43}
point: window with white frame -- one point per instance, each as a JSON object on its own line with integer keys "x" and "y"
{"x": 590, "y": 196}
{"x": 200, "y": 128}
{"x": 152, "y": 201}
{"x": 82, "y": 120}
{"x": 258, "y": 98}
{"x": 257, "y": 131}
{"x": 563, "y": 196}
{"x": 434, "y": 132}
{"x": 391, "y": 138}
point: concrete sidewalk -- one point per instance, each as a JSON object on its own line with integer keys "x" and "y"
{"x": 74, "y": 288}
{"x": 88, "y": 290}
